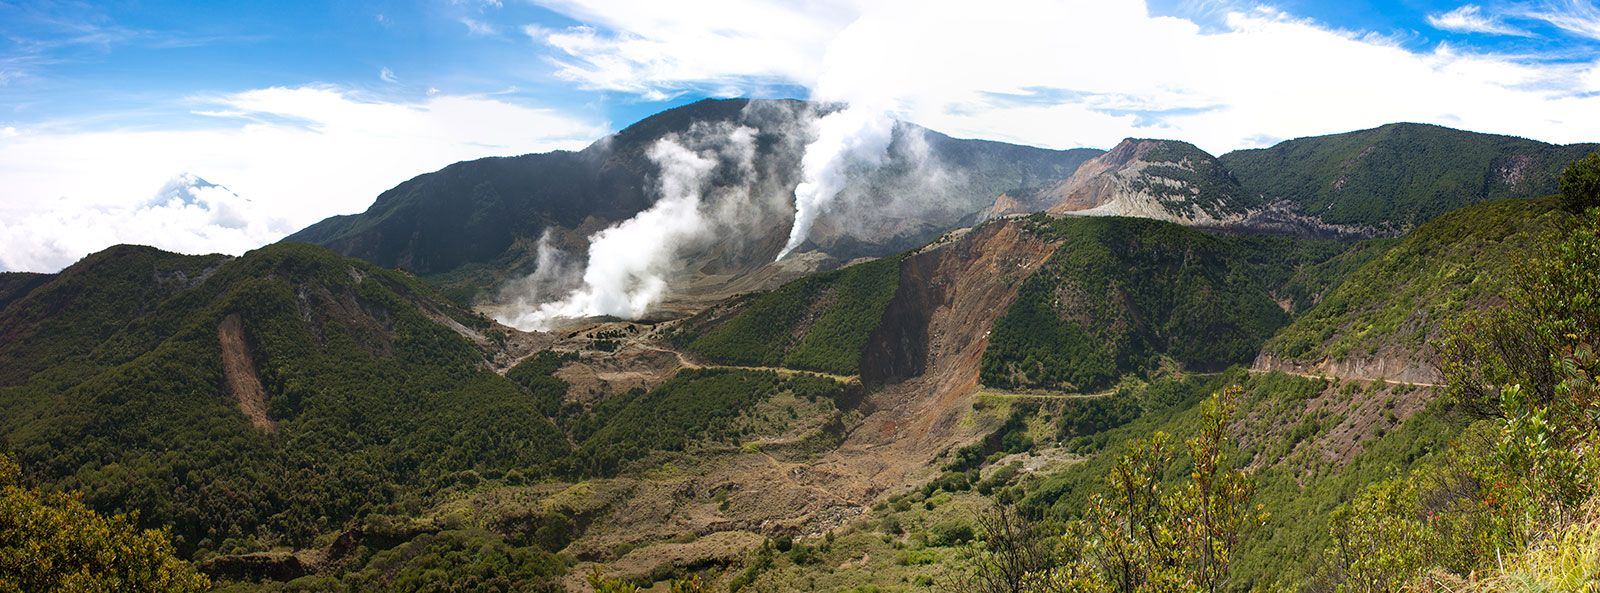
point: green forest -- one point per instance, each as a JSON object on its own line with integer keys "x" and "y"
{"x": 1119, "y": 295}
{"x": 818, "y": 323}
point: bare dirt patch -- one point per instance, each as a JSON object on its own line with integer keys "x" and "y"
{"x": 239, "y": 372}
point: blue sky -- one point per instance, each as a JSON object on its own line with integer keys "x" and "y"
{"x": 302, "y": 110}
{"x": 136, "y": 63}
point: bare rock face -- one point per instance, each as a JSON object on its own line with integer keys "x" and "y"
{"x": 1159, "y": 179}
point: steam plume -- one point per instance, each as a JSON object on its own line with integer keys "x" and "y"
{"x": 853, "y": 136}
{"x": 629, "y": 263}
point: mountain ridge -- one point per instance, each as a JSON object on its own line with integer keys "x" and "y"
{"x": 470, "y": 223}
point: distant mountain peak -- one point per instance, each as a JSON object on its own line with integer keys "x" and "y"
{"x": 1148, "y": 178}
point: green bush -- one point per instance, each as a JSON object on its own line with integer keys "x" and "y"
{"x": 949, "y": 534}
{"x": 50, "y": 542}
{"x": 1580, "y": 184}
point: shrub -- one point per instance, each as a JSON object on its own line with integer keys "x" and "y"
{"x": 949, "y": 534}
{"x": 1580, "y": 184}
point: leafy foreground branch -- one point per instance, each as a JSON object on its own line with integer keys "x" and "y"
{"x": 50, "y": 542}
{"x": 1143, "y": 534}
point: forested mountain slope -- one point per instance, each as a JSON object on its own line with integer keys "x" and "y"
{"x": 1383, "y": 319}
{"x": 361, "y": 391}
{"x": 1121, "y": 294}
{"x": 1400, "y": 175}
{"x": 473, "y": 224}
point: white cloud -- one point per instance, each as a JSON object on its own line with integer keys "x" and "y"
{"x": 1065, "y": 74}
{"x": 387, "y": 75}
{"x": 188, "y": 215}
{"x": 1579, "y": 17}
{"x": 1469, "y": 18}
{"x": 298, "y": 154}
{"x": 477, "y": 27}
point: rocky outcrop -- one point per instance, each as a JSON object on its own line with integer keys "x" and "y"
{"x": 1390, "y": 367}
{"x": 1159, "y": 179}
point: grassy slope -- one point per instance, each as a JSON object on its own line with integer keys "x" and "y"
{"x": 1400, "y": 298}
{"x": 1400, "y": 175}
{"x": 819, "y": 323}
{"x": 1121, "y": 292}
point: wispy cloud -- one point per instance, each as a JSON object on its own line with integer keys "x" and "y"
{"x": 387, "y": 75}
{"x": 1470, "y": 18}
{"x": 1579, "y": 17}
{"x": 477, "y": 27}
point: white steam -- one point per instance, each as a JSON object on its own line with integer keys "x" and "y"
{"x": 855, "y": 136}
{"x": 555, "y": 276}
{"x": 630, "y": 263}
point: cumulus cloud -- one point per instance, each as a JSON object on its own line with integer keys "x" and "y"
{"x": 188, "y": 214}
{"x": 1065, "y": 74}
{"x": 299, "y": 155}
{"x": 1469, "y": 18}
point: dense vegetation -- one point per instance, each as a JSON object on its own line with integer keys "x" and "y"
{"x": 374, "y": 402}
{"x": 1280, "y": 435}
{"x": 1119, "y": 294}
{"x": 466, "y": 559}
{"x": 57, "y": 323}
{"x": 1142, "y": 533}
{"x": 50, "y": 542}
{"x": 820, "y": 322}
{"x": 1522, "y": 481}
{"x": 1580, "y": 184}
{"x": 1199, "y": 181}
{"x": 536, "y": 375}
{"x": 1400, "y": 175}
{"x": 1396, "y": 302}
{"x": 1491, "y": 488}
{"x": 692, "y": 404}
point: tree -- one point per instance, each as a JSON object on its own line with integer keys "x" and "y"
{"x": 50, "y": 542}
{"x": 1215, "y": 504}
{"x": 1143, "y": 534}
{"x": 1580, "y": 184}
{"x": 1016, "y": 553}
{"x": 1379, "y": 543}
{"x": 1543, "y": 337}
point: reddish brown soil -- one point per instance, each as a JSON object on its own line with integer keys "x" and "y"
{"x": 239, "y": 372}
{"x": 927, "y": 356}
{"x": 925, "y": 364}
